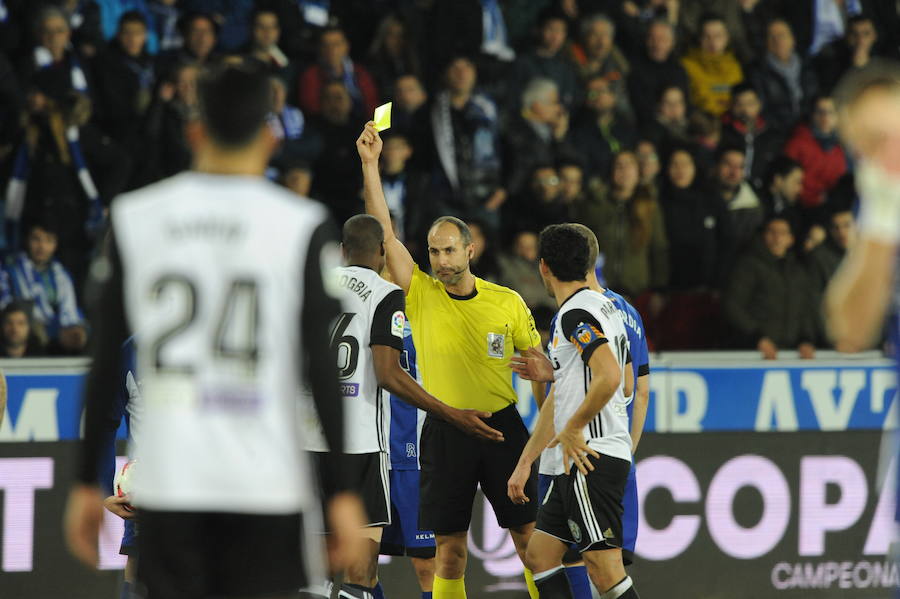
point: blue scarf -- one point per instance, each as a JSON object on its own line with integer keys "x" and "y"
{"x": 394, "y": 189}
{"x": 348, "y": 78}
{"x": 18, "y": 186}
{"x": 480, "y": 111}
{"x": 289, "y": 124}
{"x": 146, "y": 74}
{"x": 166, "y": 25}
{"x": 43, "y": 59}
{"x": 49, "y": 291}
{"x": 494, "y": 38}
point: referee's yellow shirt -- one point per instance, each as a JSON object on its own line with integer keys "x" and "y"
{"x": 463, "y": 346}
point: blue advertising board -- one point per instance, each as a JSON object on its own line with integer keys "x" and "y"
{"x": 716, "y": 393}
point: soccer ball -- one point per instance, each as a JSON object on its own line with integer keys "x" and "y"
{"x": 124, "y": 481}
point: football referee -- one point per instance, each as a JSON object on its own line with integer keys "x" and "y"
{"x": 465, "y": 331}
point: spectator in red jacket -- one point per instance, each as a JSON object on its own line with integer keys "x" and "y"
{"x": 335, "y": 64}
{"x": 817, "y": 148}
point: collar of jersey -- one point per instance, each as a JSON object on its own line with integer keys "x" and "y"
{"x": 576, "y": 292}
{"x": 361, "y": 266}
{"x": 464, "y": 297}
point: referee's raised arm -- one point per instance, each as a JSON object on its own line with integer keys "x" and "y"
{"x": 399, "y": 261}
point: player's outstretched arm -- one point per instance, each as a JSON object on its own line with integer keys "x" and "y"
{"x": 399, "y": 261}
{"x": 392, "y": 377}
{"x": 540, "y": 438}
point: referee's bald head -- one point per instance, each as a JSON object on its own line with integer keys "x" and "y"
{"x": 235, "y": 101}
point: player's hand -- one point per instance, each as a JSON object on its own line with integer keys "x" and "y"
{"x": 472, "y": 422}
{"x": 515, "y": 486}
{"x": 84, "y": 515}
{"x": 767, "y": 348}
{"x": 119, "y": 506}
{"x": 574, "y": 449}
{"x": 369, "y": 144}
{"x": 532, "y": 365}
{"x": 346, "y": 517}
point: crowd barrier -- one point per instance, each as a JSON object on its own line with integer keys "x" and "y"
{"x": 787, "y": 490}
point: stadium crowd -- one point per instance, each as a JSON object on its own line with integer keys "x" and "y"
{"x": 696, "y": 138}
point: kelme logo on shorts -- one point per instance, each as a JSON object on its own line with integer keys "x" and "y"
{"x": 575, "y": 530}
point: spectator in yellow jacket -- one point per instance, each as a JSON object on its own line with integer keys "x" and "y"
{"x": 712, "y": 68}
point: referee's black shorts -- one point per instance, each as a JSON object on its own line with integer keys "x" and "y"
{"x": 453, "y": 464}
{"x": 186, "y": 555}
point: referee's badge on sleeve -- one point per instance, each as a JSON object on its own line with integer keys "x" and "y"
{"x": 398, "y": 322}
{"x": 495, "y": 345}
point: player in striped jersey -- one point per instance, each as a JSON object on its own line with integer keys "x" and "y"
{"x": 222, "y": 274}
{"x": 590, "y": 354}
{"x": 866, "y": 288}
{"x": 368, "y": 338}
{"x": 536, "y": 366}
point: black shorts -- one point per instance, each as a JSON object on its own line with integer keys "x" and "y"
{"x": 587, "y": 510}
{"x": 454, "y": 464}
{"x": 185, "y": 555}
{"x": 365, "y": 473}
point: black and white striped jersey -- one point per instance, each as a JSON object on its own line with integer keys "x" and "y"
{"x": 220, "y": 277}
{"x": 373, "y": 314}
{"x": 585, "y": 322}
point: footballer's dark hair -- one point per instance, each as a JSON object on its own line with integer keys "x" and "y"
{"x": 362, "y": 235}
{"x": 234, "y": 102}
{"x": 464, "y": 232}
{"x": 593, "y": 244}
{"x": 566, "y": 252}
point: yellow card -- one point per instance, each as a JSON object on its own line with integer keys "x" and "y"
{"x": 383, "y": 117}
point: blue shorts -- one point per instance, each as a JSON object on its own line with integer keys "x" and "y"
{"x": 129, "y": 538}
{"x": 629, "y": 517}
{"x": 402, "y": 536}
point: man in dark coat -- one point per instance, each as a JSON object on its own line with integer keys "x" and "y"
{"x": 769, "y": 301}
